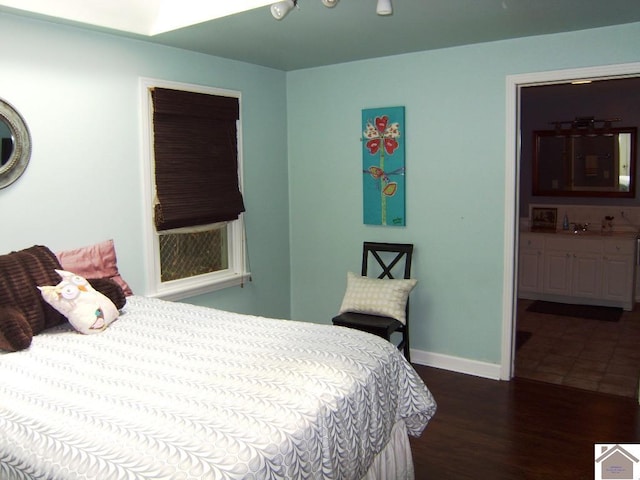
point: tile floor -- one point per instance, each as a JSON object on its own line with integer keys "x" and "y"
{"x": 582, "y": 353}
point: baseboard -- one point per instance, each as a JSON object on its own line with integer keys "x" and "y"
{"x": 456, "y": 364}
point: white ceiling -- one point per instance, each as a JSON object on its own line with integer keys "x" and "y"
{"x": 145, "y": 17}
{"x": 314, "y": 35}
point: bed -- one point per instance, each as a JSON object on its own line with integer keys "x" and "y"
{"x": 176, "y": 391}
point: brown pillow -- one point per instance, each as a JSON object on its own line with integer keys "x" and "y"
{"x": 109, "y": 289}
{"x": 15, "y": 331}
{"x": 20, "y": 274}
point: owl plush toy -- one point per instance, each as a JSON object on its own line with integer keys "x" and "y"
{"x": 88, "y": 310}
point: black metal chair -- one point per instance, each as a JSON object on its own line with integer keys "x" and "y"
{"x": 388, "y": 256}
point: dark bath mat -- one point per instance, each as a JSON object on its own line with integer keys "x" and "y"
{"x": 593, "y": 312}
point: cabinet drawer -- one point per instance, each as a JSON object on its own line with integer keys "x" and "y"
{"x": 621, "y": 247}
{"x": 575, "y": 244}
{"x": 534, "y": 242}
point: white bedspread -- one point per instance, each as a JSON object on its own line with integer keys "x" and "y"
{"x": 173, "y": 391}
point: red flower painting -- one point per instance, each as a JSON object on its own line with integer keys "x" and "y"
{"x": 380, "y": 133}
{"x": 381, "y": 139}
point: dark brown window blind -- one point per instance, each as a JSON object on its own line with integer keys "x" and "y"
{"x": 196, "y": 158}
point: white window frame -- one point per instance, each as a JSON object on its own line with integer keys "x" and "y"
{"x": 236, "y": 273}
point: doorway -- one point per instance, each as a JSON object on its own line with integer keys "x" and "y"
{"x": 514, "y": 86}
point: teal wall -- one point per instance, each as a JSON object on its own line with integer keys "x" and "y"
{"x": 455, "y": 164}
{"x": 78, "y": 93}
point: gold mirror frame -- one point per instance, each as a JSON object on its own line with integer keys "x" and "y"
{"x": 21, "y": 152}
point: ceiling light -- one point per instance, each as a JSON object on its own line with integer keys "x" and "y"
{"x": 279, "y": 10}
{"x": 384, "y": 7}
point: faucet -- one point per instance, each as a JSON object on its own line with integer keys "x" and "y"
{"x": 580, "y": 227}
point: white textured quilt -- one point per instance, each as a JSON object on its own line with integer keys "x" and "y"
{"x": 173, "y": 391}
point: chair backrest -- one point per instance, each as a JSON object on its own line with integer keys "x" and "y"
{"x": 383, "y": 253}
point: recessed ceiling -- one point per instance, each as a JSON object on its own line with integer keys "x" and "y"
{"x": 313, "y": 35}
{"x": 144, "y": 17}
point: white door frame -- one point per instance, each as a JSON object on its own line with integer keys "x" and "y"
{"x": 512, "y": 174}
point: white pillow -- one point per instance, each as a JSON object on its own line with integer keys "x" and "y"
{"x": 87, "y": 310}
{"x": 384, "y": 297}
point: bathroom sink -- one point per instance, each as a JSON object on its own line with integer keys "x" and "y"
{"x": 597, "y": 233}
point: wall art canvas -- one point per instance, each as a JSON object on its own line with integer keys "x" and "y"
{"x": 383, "y": 168}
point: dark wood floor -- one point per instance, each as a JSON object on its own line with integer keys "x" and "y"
{"x": 518, "y": 430}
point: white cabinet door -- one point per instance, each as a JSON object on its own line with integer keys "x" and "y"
{"x": 530, "y": 271}
{"x": 618, "y": 272}
{"x": 557, "y": 272}
{"x": 573, "y": 267}
{"x": 617, "y": 277}
{"x": 586, "y": 274}
{"x": 530, "y": 264}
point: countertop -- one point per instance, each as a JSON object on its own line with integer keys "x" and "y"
{"x": 586, "y": 234}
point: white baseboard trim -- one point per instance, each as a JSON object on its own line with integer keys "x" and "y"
{"x": 456, "y": 364}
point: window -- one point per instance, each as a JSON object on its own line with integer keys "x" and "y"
{"x": 193, "y": 201}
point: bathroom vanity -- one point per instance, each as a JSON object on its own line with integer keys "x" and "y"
{"x": 581, "y": 268}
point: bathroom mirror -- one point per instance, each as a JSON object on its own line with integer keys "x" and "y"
{"x": 15, "y": 144}
{"x": 589, "y": 163}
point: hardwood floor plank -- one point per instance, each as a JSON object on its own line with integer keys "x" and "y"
{"x": 520, "y": 429}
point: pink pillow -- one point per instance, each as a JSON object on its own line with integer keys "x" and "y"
{"x": 94, "y": 261}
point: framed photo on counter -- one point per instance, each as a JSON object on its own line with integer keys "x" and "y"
{"x": 543, "y": 219}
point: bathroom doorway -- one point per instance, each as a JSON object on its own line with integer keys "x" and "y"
{"x": 515, "y": 84}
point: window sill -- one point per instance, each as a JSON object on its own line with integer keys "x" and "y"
{"x": 193, "y": 287}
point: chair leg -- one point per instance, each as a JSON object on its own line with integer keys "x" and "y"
{"x": 405, "y": 341}
{"x": 403, "y": 345}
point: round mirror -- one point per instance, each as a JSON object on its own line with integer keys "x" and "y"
{"x": 15, "y": 144}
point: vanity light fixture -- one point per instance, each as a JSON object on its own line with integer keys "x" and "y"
{"x": 279, "y": 10}
{"x": 329, "y": 3}
{"x": 583, "y": 123}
